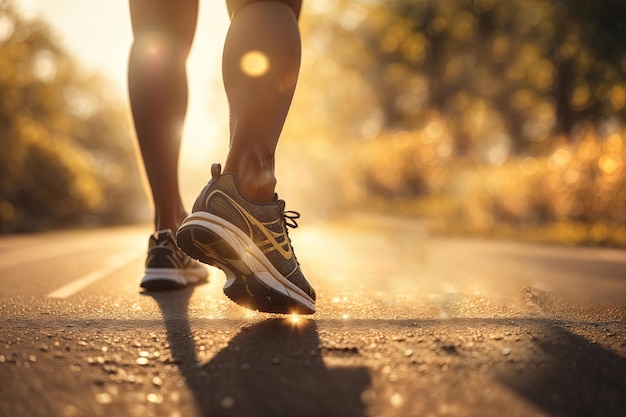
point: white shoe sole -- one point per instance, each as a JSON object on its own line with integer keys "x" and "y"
{"x": 170, "y": 278}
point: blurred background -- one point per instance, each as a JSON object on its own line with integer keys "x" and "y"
{"x": 499, "y": 118}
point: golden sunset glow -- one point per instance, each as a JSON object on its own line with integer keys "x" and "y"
{"x": 513, "y": 122}
{"x": 85, "y": 29}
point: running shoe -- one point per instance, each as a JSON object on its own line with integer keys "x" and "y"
{"x": 167, "y": 267}
{"x": 249, "y": 242}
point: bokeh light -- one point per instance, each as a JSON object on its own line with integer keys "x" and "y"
{"x": 255, "y": 63}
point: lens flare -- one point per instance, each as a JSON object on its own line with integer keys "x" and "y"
{"x": 255, "y": 64}
{"x": 294, "y": 319}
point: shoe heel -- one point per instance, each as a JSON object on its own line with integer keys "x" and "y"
{"x": 204, "y": 245}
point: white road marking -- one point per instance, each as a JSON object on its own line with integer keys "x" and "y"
{"x": 110, "y": 265}
{"x": 28, "y": 255}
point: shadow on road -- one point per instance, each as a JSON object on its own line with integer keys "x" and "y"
{"x": 272, "y": 367}
{"x": 579, "y": 378}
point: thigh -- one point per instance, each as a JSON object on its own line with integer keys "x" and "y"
{"x": 235, "y": 5}
{"x": 175, "y": 19}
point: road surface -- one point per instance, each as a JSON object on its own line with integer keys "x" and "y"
{"x": 407, "y": 325}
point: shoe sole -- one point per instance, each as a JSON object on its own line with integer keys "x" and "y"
{"x": 251, "y": 280}
{"x": 163, "y": 279}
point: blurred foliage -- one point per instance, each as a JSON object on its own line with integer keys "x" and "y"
{"x": 67, "y": 158}
{"x": 575, "y": 193}
{"x": 481, "y": 115}
{"x": 508, "y": 73}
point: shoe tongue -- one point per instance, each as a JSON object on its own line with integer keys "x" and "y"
{"x": 281, "y": 203}
{"x": 163, "y": 235}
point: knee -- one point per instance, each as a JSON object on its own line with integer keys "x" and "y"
{"x": 157, "y": 46}
{"x": 235, "y": 5}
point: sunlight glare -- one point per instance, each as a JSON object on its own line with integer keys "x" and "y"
{"x": 294, "y": 319}
{"x": 153, "y": 46}
{"x": 106, "y": 52}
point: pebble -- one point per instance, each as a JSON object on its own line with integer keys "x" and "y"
{"x": 104, "y": 398}
{"x": 154, "y": 398}
{"x": 506, "y": 351}
{"x": 142, "y": 361}
{"x": 449, "y": 349}
{"x": 396, "y": 400}
{"x": 157, "y": 381}
{"x": 227, "y": 403}
{"x": 110, "y": 369}
{"x": 408, "y": 352}
{"x": 70, "y": 411}
{"x": 174, "y": 396}
{"x": 368, "y": 397}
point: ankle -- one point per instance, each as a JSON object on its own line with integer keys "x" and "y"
{"x": 258, "y": 188}
{"x": 255, "y": 175}
{"x": 170, "y": 221}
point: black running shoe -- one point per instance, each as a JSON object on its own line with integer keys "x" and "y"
{"x": 167, "y": 267}
{"x": 249, "y": 242}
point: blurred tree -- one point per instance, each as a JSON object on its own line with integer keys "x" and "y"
{"x": 506, "y": 74}
{"x": 67, "y": 158}
{"x": 472, "y": 112}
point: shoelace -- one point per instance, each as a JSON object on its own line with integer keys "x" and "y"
{"x": 290, "y": 218}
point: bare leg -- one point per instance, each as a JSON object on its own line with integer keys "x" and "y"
{"x": 260, "y": 68}
{"x": 157, "y": 83}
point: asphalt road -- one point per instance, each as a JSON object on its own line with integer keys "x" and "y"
{"x": 407, "y": 325}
